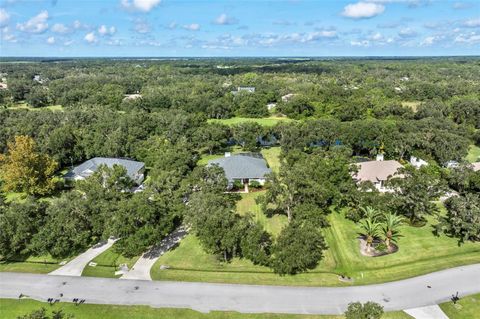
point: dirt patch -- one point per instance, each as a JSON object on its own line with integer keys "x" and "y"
{"x": 374, "y": 250}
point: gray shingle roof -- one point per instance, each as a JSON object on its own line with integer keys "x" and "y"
{"x": 87, "y": 168}
{"x": 241, "y": 166}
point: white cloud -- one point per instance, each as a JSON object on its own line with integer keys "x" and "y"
{"x": 362, "y": 10}
{"x": 461, "y": 5}
{"x": 140, "y": 5}
{"x": 104, "y": 30}
{"x": 60, "y": 28}
{"x": 141, "y": 26}
{"x": 472, "y": 23}
{"x": 90, "y": 37}
{"x": 376, "y": 36}
{"x": 4, "y": 17}
{"x": 223, "y": 19}
{"x": 37, "y": 24}
{"x": 407, "y": 33}
{"x": 51, "y": 40}
{"x": 428, "y": 41}
{"x": 68, "y": 43}
{"x": 469, "y": 38}
{"x": 362, "y": 43}
{"x": 192, "y": 27}
{"x": 7, "y": 36}
{"x": 77, "y": 24}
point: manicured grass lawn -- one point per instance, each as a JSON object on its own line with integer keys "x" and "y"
{"x": 247, "y": 204}
{"x": 32, "y": 264}
{"x": 11, "y": 308}
{"x": 473, "y": 154}
{"x": 272, "y": 156}
{"x": 107, "y": 264}
{"x": 267, "y": 121}
{"x": 467, "y": 308}
{"x": 26, "y": 106}
{"x": 420, "y": 252}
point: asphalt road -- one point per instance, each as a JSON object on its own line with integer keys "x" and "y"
{"x": 399, "y": 295}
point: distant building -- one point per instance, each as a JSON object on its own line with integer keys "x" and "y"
{"x": 452, "y": 164}
{"x": 476, "y": 166}
{"x": 417, "y": 162}
{"x": 132, "y": 96}
{"x": 377, "y": 172}
{"x": 135, "y": 170}
{"x": 287, "y": 97}
{"x": 248, "y": 89}
{"x": 244, "y": 168}
{"x": 39, "y": 79}
{"x": 271, "y": 106}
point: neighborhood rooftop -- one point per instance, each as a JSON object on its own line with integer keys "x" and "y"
{"x": 375, "y": 171}
{"x": 242, "y": 166}
{"x": 87, "y": 168}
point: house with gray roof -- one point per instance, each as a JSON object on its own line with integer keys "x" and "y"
{"x": 135, "y": 170}
{"x": 244, "y": 167}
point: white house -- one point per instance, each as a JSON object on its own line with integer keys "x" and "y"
{"x": 417, "y": 162}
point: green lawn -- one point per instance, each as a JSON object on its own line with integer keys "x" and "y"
{"x": 467, "y": 308}
{"x": 247, "y": 204}
{"x": 420, "y": 252}
{"x": 32, "y": 264}
{"x": 25, "y": 106}
{"x": 11, "y": 308}
{"x": 272, "y": 156}
{"x": 107, "y": 264}
{"x": 473, "y": 154}
{"x": 266, "y": 121}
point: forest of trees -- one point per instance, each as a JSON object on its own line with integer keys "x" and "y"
{"x": 340, "y": 109}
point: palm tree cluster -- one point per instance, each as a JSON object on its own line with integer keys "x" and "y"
{"x": 382, "y": 225}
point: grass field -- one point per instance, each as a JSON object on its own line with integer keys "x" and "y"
{"x": 32, "y": 264}
{"x": 107, "y": 264}
{"x": 266, "y": 121}
{"x": 420, "y": 252}
{"x": 11, "y": 308}
{"x": 272, "y": 156}
{"x": 411, "y": 104}
{"x": 25, "y": 106}
{"x": 473, "y": 154}
{"x": 467, "y": 308}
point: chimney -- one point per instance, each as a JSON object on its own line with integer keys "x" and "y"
{"x": 379, "y": 157}
{"x": 228, "y": 154}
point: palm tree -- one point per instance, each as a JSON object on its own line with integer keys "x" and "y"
{"x": 370, "y": 229}
{"x": 370, "y": 213}
{"x": 390, "y": 225}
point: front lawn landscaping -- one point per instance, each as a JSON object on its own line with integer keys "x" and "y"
{"x": 466, "y": 308}
{"x": 420, "y": 252}
{"x": 107, "y": 263}
{"x": 12, "y": 308}
{"x": 31, "y": 264}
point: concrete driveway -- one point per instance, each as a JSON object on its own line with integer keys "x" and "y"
{"x": 415, "y": 292}
{"x": 75, "y": 266}
{"x": 141, "y": 269}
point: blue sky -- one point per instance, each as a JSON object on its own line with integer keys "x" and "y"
{"x": 239, "y": 28}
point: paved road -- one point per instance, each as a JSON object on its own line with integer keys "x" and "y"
{"x": 75, "y": 266}
{"x": 141, "y": 269}
{"x": 399, "y": 295}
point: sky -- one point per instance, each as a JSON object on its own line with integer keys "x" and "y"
{"x": 201, "y": 28}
